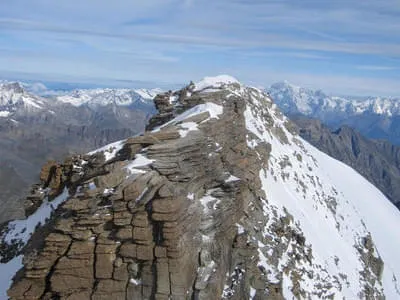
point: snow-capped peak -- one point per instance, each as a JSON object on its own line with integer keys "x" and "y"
{"x": 315, "y": 103}
{"x": 13, "y": 96}
{"x": 215, "y": 82}
{"x": 286, "y": 85}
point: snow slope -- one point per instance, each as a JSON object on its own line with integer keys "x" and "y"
{"x": 333, "y": 205}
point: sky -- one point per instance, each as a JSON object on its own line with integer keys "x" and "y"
{"x": 340, "y": 46}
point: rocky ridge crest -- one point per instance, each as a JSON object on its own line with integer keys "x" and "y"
{"x": 181, "y": 212}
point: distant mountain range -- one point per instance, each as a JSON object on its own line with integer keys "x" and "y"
{"x": 374, "y": 117}
{"x": 34, "y": 129}
{"x": 37, "y": 124}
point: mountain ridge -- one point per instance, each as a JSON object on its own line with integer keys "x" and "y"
{"x": 219, "y": 198}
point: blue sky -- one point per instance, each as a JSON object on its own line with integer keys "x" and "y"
{"x": 341, "y": 46}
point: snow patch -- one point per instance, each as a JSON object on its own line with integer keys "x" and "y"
{"x": 215, "y": 82}
{"x": 187, "y": 127}
{"x": 252, "y": 293}
{"x": 135, "y": 281}
{"x": 240, "y": 228}
{"x": 213, "y": 109}
{"x": 110, "y": 150}
{"x": 4, "y": 114}
{"x": 232, "y": 179}
{"x": 139, "y": 161}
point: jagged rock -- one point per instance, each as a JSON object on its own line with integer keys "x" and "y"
{"x": 115, "y": 176}
{"x": 48, "y": 171}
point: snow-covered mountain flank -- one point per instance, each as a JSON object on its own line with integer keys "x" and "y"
{"x": 218, "y": 199}
{"x": 374, "y": 117}
{"x": 13, "y": 97}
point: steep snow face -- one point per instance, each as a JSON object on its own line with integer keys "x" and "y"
{"x": 293, "y": 99}
{"x": 347, "y": 223}
{"x": 104, "y": 97}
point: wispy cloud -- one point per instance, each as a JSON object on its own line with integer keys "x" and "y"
{"x": 190, "y": 38}
{"x": 376, "y": 68}
{"x": 256, "y": 40}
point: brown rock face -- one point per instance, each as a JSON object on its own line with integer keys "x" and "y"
{"x": 165, "y": 230}
{"x": 51, "y": 175}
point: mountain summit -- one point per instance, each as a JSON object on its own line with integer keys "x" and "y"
{"x": 219, "y": 198}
